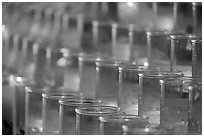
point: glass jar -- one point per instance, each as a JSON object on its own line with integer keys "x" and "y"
{"x": 50, "y": 109}
{"x": 150, "y": 93}
{"x": 87, "y": 118}
{"x": 196, "y": 57}
{"x": 158, "y": 48}
{"x": 67, "y": 119}
{"x": 129, "y": 87}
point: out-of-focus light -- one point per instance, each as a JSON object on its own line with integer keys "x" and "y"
{"x": 19, "y": 79}
{"x": 166, "y": 23}
{"x": 146, "y": 129}
{"x": 146, "y": 64}
{"x": 61, "y": 62}
{"x": 130, "y": 4}
{"x": 4, "y": 31}
{"x": 3, "y": 28}
{"x": 65, "y": 52}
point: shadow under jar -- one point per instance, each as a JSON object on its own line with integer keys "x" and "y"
{"x": 50, "y": 109}
{"x": 129, "y": 87}
{"x": 68, "y": 114}
{"x": 118, "y": 125}
{"x": 87, "y": 118}
{"x": 150, "y": 93}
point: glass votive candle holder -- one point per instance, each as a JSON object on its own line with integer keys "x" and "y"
{"x": 31, "y": 55}
{"x": 138, "y": 46}
{"x": 150, "y": 93}
{"x": 107, "y": 82}
{"x": 19, "y": 105}
{"x": 174, "y": 103}
{"x": 87, "y": 118}
{"x": 129, "y": 87}
{"x": 117, "y": 125}
{"x": 193, "y": 85}
{"x": 120, "y": 42}
{"x": 72, "y": 77}
{"x": 68, "y": 115}
{"x": 196, "y": 57}
{"x": 33, "y": 109}
{"x": 158, "y": 48}
{"x": 101, "y": 37}
{"x": 50, "y": 109}
{"x": 87, "y": 70}
{"x": 181, "y": 53}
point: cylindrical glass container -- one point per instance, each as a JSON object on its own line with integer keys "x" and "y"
{"x": 138, "y": 41}
{"x": 174, "y": 103}
{"x": 107, "y": 82}
{"x": 87, "y": 70}
{"x": 50, "y": 109}
{"x": 181, "y": 53}
{"x": 19, "y": 105}
{"x": 33, "y": 109}
{"x": 150, "y": 93}
{"x": 101, "y": 35}
{"x": 68, "y": 115}
{"x": 31, "y": 53}
{"x": 72, "y": 78}
{"x": 117, "y": 125}
{"x": 158, "y": 48}
{"x": 196, "y": 57}
{"x": 120, "y": 42}
{"x": 87, "y": 118}
{"x": 193, "y": 86}
{"x": 129, "y": 87}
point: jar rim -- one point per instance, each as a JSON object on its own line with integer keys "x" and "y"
{"x": 84, "y": 57}
{"x": 160, "y": 74}
{"x": 158, "y": 32}
{"x": 181, "y": 35}
{"x": 79, "y": 101}
{"x": 192, "y": 80}
{"x": 60, "y": 95}
{"x": 98, "y": 110}
{"x": 113, "y": 63}
{"x": 195, "y": 41}
{"x": 139, "y": 68}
